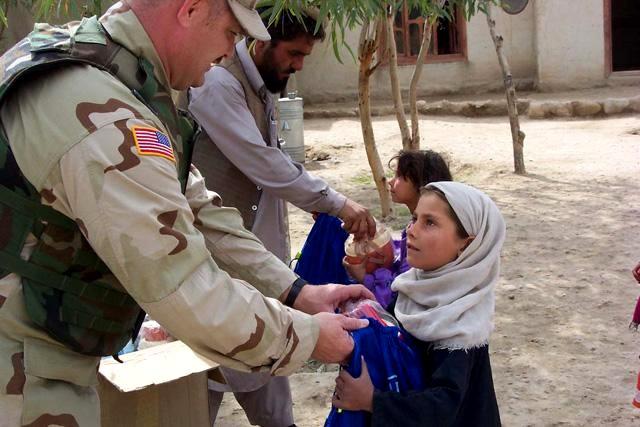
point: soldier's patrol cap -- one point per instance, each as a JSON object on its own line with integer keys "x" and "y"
{"x": 249, "y": 18}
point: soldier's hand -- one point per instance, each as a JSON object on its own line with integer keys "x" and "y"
{"x": 314, "y": 299}
{"x": 334, "y": 343}
{"x": 357, "y": 220}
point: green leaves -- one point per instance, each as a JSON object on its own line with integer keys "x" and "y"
{"x": 343, "y": 15}
{"x": 45, "y": 9}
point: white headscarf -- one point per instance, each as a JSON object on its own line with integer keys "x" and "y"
{"x": 453, "y": 306}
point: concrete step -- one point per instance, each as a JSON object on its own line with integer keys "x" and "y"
{"x": 597, "y": 102}
{"x": 491, "y": 108}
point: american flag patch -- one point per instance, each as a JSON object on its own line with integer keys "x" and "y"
{"x": 152, "y": 142}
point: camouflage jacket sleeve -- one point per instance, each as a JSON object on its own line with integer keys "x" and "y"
{"x": 234, "y": 248}
{"x": 141, "y": 225}
{"x": 130, "y": 208}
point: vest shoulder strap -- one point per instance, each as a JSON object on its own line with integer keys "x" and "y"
{"x": 254, "y": 102}
{"x": 222, "y": 176}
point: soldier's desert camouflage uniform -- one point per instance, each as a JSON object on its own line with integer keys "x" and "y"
{"x": 175, "y": 254}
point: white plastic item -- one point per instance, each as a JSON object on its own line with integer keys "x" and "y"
{"x": 367, "y": 308}
{"x": 153, "y": 331}
{"x": 361, "y": 248}
{"x": 152, "y": 334}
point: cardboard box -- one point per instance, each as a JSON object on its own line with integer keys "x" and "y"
{"x": 164, "y": 385}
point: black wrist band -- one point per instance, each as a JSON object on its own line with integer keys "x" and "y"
{"x": 294, "y": 291}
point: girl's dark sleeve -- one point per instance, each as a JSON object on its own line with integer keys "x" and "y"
{"x": 448, "y": 378}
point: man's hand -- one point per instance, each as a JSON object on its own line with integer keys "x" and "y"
{"x": 636, "y": 272}
{"x": 318, "y": 298}
{"x": 357, "y": 220}
{"x": 334, "y": 343}
{"x": 354, "y": 394}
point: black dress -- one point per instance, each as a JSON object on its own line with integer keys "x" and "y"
{"x": 459, "y": 392}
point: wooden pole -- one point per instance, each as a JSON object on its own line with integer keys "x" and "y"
{"x": 366, "y": 50}
{"x": 517, "y": 135}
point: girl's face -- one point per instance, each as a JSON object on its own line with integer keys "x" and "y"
{"x": 432, "y": 239}
{"x": 403, "y": 191}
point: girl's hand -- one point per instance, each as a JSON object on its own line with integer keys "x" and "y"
{"x": 356, "y": 271}
{"x": 354, "y": 394}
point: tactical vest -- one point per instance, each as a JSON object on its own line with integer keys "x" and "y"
{"x": 71, "y": 293}
{"x": 220, "y": 174}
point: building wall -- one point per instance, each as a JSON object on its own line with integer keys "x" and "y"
{"x": 324, "y": 79}
{"x": 570, "y": 43}
{"x": 551, "y": 45}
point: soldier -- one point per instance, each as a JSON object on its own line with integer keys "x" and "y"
{"x": 101, "y": 215}
{"x": 241, "y": 159}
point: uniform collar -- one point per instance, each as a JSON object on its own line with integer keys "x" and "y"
{"x": 125, "y": 29}
{"x": 250, "y": 69}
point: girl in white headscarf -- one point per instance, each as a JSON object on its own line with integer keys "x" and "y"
{"x": 446, "y": 301}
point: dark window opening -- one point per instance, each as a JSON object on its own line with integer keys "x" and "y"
{"x": 625, "y": 35}
{"x": 447, "y": 37}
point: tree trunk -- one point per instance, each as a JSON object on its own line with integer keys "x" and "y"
{"x": 366, "y": 50}
{"x": 413, "y": 87}
{"x": 396, "y": 94}
{"x": 415, "y": 79}
{"x": 517, "y": 135}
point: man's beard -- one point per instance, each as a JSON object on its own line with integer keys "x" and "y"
{"x": 269, "y": 73}
{"x": 273, "y": 83}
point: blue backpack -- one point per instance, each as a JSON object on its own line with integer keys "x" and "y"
{"x": 392, "y": 362}
{"x": 321, "y": 257}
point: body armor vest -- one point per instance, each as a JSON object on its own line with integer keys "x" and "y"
{"x": 72, "y": 294}
{"x": 222, "y": 176}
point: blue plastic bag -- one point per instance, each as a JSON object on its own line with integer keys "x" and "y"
{"x": 322, "y": 253}
{"x": 392, "y": 362}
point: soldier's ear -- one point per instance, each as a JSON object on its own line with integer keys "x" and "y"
{"x": 191, "y": 12}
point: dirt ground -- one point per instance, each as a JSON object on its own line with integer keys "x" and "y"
{"x": 561, "y": 350}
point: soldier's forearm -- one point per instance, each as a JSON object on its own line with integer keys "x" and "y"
{"x": 250, "y": 261}
{"x": 232, "y": 323}
{"x": 234, "y": 248}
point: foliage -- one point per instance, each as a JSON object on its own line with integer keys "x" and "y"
{"x": 375, "y": 17}
{"x": 348, "y": 14}
{"x": 48, "y": 8}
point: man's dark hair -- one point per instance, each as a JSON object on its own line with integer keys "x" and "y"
{"x": 288, "y": 27}
{"x": 421, "y": 167}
